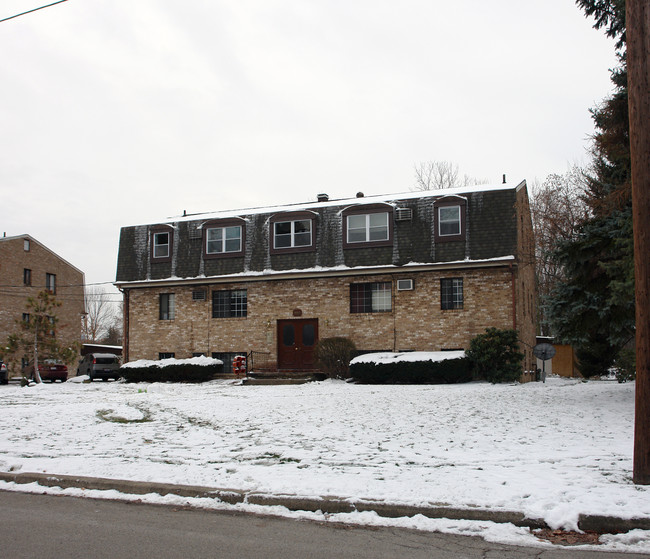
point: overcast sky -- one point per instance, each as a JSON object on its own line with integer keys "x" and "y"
{"x": 120, "y": 112}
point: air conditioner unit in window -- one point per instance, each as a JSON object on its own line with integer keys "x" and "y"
{"x": 404, "y": 284}
{"x": 198, "y": 295}
{"x": 403, "y": 214}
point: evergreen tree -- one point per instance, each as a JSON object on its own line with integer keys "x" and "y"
{"x": 593, "y": 307}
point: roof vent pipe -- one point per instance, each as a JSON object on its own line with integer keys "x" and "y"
{"x": 359, "y": 194}
{"x": 504, "y": 178}
{"x": 322, "y": 197}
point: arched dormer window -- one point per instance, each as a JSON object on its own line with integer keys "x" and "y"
{"x": 293, "y": 232}
{"x": 162, "y": 243}
{"x": 224, "y": 238}
{"x": 368, "y": 225}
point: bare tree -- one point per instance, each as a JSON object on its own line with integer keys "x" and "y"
{"x": 99, "y": 317}
{"x": 114, "y": 332}
{"x": 435, "y": 175}
{"x": 558, "y": 208}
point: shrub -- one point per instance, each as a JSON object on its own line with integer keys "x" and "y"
{"x": 449, "y": 371}
{"x": 178, "y": 371}
{"x": 625, "y": 365}
{"x": 334, "y": 354}
{"x": 495, "y": 355}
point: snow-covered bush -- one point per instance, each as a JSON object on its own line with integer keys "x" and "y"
{"x": 334, "y": 354}
{"x": 196, "y": 369}
{"x": 495, "y": 355}
{"x": 418, "y": 367}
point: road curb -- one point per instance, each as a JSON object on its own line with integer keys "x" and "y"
{"x": 327, "y": 505}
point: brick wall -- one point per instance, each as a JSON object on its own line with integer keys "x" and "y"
{"x": 416, "y": 321}
{"x": 14, "y": 259}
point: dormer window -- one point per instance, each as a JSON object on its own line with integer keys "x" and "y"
{"x": 450, "y": 219}
{"x": 220, "y": 240}
{"x": 366, "y": 228}
{"x": 161, "y": 243}
{"x": 224, "y": 238}
{"x": 293, "y": 232}
{"x": 368, "y": 225}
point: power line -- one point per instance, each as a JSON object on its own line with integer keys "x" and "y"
{"x": 34, "y": 10}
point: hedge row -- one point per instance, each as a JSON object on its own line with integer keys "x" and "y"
{"x": 449, "y": 371}
{"x": 182, "y": 372}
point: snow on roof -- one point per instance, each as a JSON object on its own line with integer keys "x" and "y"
{"x": 407, "y": 357}
{"x": 376, "y": 199}
{"x": 330, "y": 270}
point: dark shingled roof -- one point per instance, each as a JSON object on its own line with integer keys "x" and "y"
{"x": 491, "y": 232}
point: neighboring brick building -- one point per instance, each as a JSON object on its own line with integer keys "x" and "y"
{"x": 414, "y": 271}
{"x": 28, "y": 267}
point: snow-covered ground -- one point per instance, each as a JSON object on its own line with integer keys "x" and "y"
{"x": 551, "y": 450}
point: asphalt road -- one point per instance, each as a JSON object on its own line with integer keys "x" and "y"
{"x": 45, "y": 526}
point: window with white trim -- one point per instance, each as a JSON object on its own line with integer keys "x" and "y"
{"x": 449, "y": 221}
{"x": 292, "y": 234}
{"x": 223, "y": 240}
{"x": 365, "y": 228}
{"x": 161, "y": 244}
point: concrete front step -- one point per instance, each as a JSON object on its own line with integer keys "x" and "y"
{"x": 283, "y": 377}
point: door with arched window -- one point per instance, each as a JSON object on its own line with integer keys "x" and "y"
{"x": 296, "y": 343}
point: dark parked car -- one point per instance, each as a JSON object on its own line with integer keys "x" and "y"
{"x": 4, "y": 373}
{"x": 100, "y": 365}
{"x": 49, "y": 369}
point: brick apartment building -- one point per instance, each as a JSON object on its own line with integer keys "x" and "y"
{"x": 28, "y": 267}
{"x": 415, "y": 271}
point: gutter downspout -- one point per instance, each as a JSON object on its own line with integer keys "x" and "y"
{"x": 514, "y": 297}
{"x": 125, "y": 335}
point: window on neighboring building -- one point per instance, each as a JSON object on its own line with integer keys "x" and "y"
{"x": 229, "y": 304}
{"x": 166, "y": 355}
{"x": 27, "y": 276}
{"x": 50, "y": 283}
{"x": 223, "y": 240}
{"x": 26, "y": 317}
{"x": 161, "y": 244}
{"x": 292, "y": 234}
{"x": 370, "y": 297}
{"x": 167, "y": 306}
{"x": 365, "y": 228}
{"x": 451, "y": 293}
{"x": 52, "y": 324}
{"x": 26, "y": 245}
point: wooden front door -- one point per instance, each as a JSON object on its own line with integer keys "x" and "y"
{"x": 296, "y": 342}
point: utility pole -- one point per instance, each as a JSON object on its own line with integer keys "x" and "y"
{"x": 637, "y": 15}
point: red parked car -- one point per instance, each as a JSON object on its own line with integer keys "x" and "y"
{"x": 49, "y": 369}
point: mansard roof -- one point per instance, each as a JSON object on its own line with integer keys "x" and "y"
{"x": 491, "y": 235}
